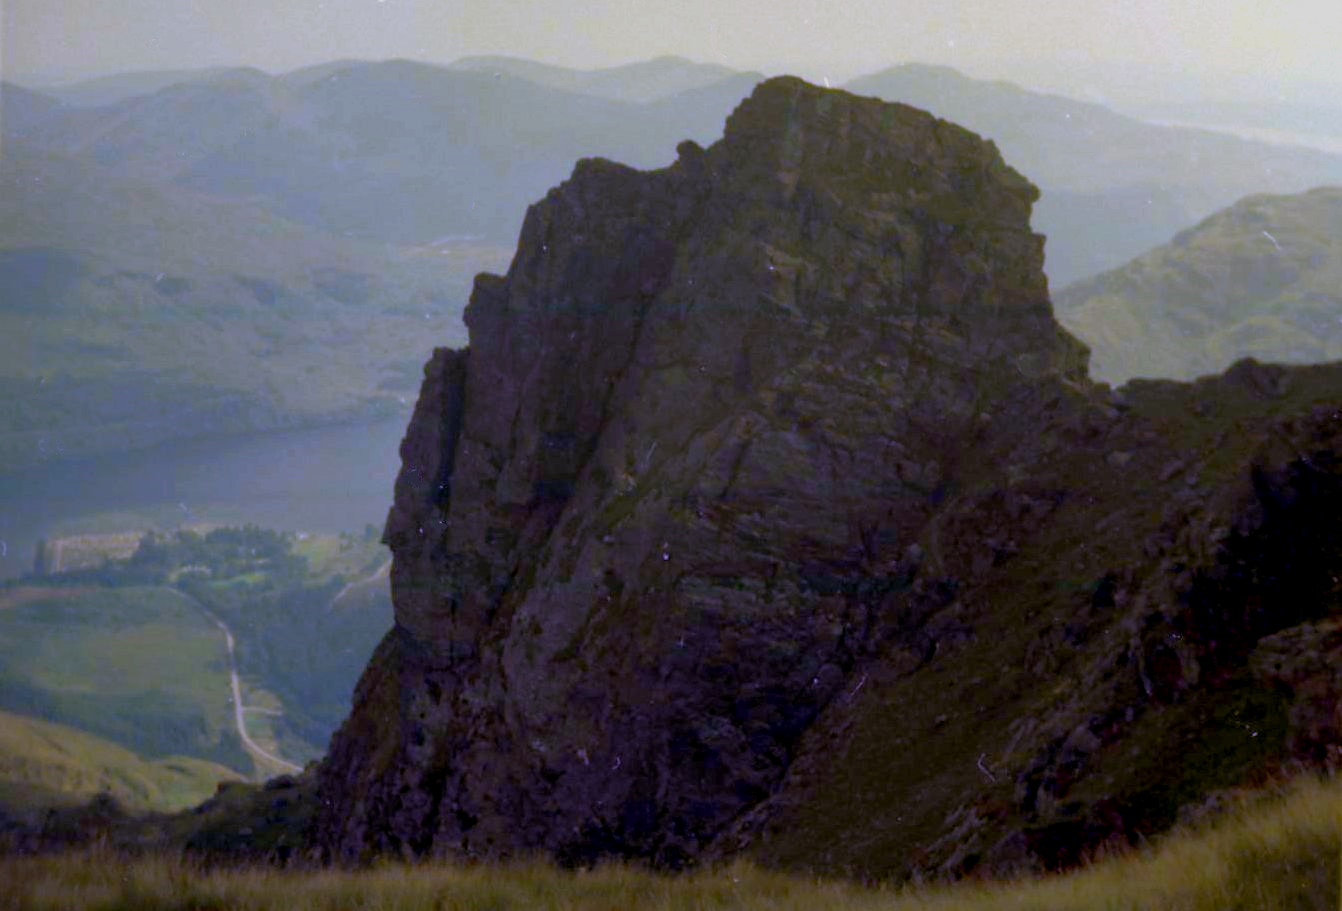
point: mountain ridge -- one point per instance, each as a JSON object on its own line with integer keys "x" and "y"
{"x": 642, "y": 81}
{"x": 1257, "y": 279}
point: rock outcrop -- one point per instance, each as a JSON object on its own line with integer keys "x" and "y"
{"x": 770, "y": 509}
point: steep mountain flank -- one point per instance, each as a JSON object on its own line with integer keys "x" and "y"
{"x": 769, "y": 509}
{"x": 1126, "y": 613}
{"x": 1261, "y": 279}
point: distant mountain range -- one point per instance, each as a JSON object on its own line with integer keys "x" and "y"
{"x": 650, "y": 80}
{"x": 179, "y": 248}
{"x": 392, "y": 151}
{"x": 105, "y": 90}
{"x": 1319, "y": 121}
{"x": 1113, "y": 186}
{"x": 1262, "y": 278}
{"x": 133, "y": 312}
{"x": 343, "y": 146}
{"x": 187, "y": 260}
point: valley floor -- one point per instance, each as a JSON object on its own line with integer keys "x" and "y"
{"x": 1279, "y": 851}
{"x": 155, "y": 666}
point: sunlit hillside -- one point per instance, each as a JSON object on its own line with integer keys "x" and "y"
{"x": 1262, "y": 278}
{"x": 44, "y": 764}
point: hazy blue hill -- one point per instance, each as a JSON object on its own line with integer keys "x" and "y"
{"x": 21, "y": 110}
{"x": 394, "y": 150}
{"x": 408, "y": 152}
{"x": 159, "y": 136}
{"x": 1306, "y": 119}
{"x": 1262, "y": 278}
{"x": 106, "y": 90}
{"x": 213, "y": 255}
{"x": 1112, "y": 186}
{"x": 308, "y": 75}
{"x": 192, "y": 252}
{"x": 699, "y": 113}
{"x": 343, "y": 146}
{"x": 644, "y": 81}
{"x": 133, "y": 312}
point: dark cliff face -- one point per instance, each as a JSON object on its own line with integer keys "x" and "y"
{"x": 750, "y": 453}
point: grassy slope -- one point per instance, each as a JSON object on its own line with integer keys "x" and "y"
{"x": 45, "y": 764}
{"x": 1278, "y": 852}
{"x": 140, "y": 666}
{"x": 1260, "y": 279}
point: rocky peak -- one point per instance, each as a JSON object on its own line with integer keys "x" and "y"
{"x": 738, "y": 446}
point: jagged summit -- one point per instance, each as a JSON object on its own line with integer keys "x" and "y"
{"x": 801, "y": 168}
{"x": 745, "y": 452}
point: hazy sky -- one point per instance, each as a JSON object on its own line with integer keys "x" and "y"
{"x": 1239, "y": 43}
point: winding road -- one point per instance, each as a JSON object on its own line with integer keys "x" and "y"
{"x": 239, "y": 709}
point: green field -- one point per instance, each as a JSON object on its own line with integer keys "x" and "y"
{"x": 1271, "y": 851}
{"x": 44, "y": 764}
{"x": 141, "y": 666}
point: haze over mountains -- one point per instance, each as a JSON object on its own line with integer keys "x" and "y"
{"x": 328, "y": 145}
{"x": 134, "y": 312}
{"x": 199, "y": 241}
{"x": 394, "y": 150}
{"x": 1112, "y": 186}
{"x": 105, "y": 90}
{"x": 650, "y": 80}
{"x": 1314, "y": 122}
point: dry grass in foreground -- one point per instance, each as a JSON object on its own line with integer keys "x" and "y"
{"x": 1280, "y": 853}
